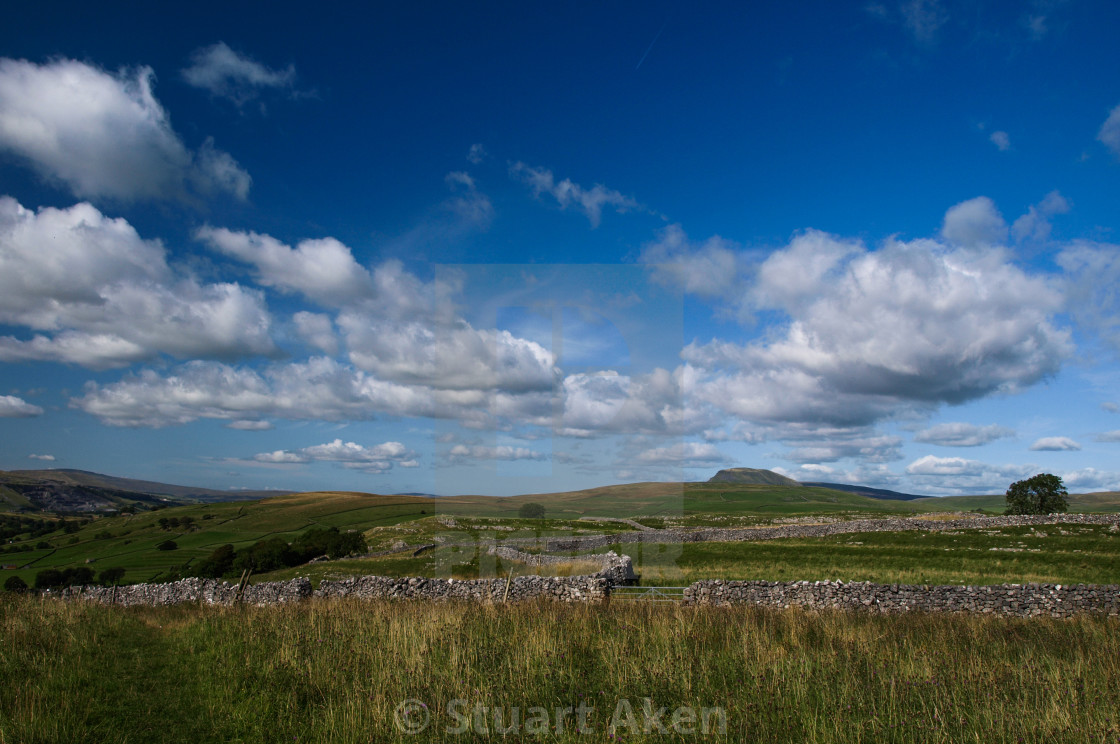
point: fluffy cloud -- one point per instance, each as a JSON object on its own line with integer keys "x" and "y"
{"x": 44, "y": 458}
{"x": 105, "y": 135}
{"x": 1109, "y": 436}
{"x": 1055, "y": 444}
{"x": 467, "y": 453}
{"x": 1110, "y": 132}
{"x": 448, "y": 358}
{"x": 227, "y": 74}
{"x": 568, "y": 194}
{"x": 957, "y": 434}
{"x": 1001, "y": 140}
{"x": 13, "y": 407}
{"x": 376, "y": 459}
{"x": 1092, "y": 273}
{"x": 930, "y": 465}
{"x": 871, "y": 333}
{"x": 827, "y": 445}
{"x": 875, "y": 476}
{"x": 323, "y": 270}
{"x": 975, "y": 222}
{"x": 104, "y": 297}
{"x": 683, "y": 454}
{"x": 1035, "y": 224}
{"x": 608, "y": 402}
{"x": 1090, "y": 479}
{"x": 795, "y": 276}
{"x": 1110, "y": 406}
{"x": 942, "y": 475}
{"x": 708, "y": 269}
{"x": 249, "y": 425}
{"x": 318, "y": 389}
{"x": 317, "y": 331}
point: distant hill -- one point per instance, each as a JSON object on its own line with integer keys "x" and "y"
{"x": 64, "y": 490}
{"x": 875, "y": 493}
{"x": 752, "y": 476}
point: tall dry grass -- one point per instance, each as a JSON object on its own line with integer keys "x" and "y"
{"x": 337, "y": 672}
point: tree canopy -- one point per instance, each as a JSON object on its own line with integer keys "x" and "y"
{"x": 1042, "y": 494}
{"x": 532, "y": 510}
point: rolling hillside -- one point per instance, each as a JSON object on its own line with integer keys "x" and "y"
{"x": 65, "y": 490}
{"x": 679, "y": 499}
{"x": 129, "y": 540}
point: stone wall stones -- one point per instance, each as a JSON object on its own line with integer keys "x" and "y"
{"x": 737, "y": 534}
{"x": 618, "y": 569}
{"x": 197, "y": 591}
{"x": 562, "y": 589}
{"x": 1021, "y": 600}
{"x": 214, "y": 592}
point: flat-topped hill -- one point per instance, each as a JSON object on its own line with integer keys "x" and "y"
{"x": 753, "y": 476}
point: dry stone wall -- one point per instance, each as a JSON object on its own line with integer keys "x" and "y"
{"x": 214, "y": 592}
{"x": 738, "y": 534}
{"x": 193, "y": 591}
{"x": 1022, "y": 600}
{"x": 562, "y": 589}
{"x": 617, "y": 569}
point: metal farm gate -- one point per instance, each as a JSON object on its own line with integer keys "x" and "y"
{"x": 673, "y": 594}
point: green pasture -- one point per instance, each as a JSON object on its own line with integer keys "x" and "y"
{"x": 132, "y": 538}
{"x": 1082, "y": 554}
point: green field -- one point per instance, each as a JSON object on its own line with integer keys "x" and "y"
{"x": 1080, "y": 554}
{"x": 129, "y": 541}
{"x": 337, "y": 672}
{"x": 1052, "y": 554}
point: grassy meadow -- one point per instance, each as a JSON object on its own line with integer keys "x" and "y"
{"x": 337, "y": 672}
{"x": 1070, "y": 554}
{"x": 1056, "y": 555}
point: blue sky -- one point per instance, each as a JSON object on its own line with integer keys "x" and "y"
{"x": 509, "y": 248}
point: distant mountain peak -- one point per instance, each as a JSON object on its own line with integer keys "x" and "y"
{"x": 752, "y": 475}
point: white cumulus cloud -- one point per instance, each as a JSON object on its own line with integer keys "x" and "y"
{"x": 708, "y": 269}
{"x": 871, "y": 333}
{"x": 467, "y": 453}
{"x": 104, "y": 134}
{"x": 1035, "y": 224}
{"x": 378, "y": 458}
{"x": 14, "y": 407}
{"x": 1055, "y": 444}
{"x": 323, "y": 270}
{"x": 99, "y": 295}
{"x": 974, "y": 222}
{"x": 1092, "y": 274}
{"x": 683, "y": 454}
{"x": 958, "y": 434}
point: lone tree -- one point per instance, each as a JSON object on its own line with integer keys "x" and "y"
{"x": 1042, "y": 494}
{"x": 532, "y": 510}
{"x": 15, "y": 584}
